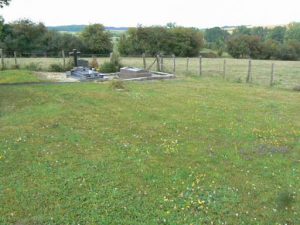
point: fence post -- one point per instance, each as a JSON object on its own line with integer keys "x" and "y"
{"x": 15, "y": 56}
{"x": 224, "y": 69}
{"x": 200, "y": 65}
{"x": 174, "y": 63}
{"x": 157, "y": 63}
{"x": 187, "y": 64}
{"x": 144, "y": 61}
{"x": 2, "y": 58}
{"x": 272, "y": 75}
{"x": 249, "y": 76}
{"x": 162, "y": 63}
{"x": 110, "y": 57}
{"x": 64, "y": 58}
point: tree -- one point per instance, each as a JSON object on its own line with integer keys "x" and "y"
{"x": 4, "y": 2}
{"x": 277, "y": 34}
{"x": 157, "y": 39}
{"x": 215, "y": 35}
{"x": 242, "y": 30}
{"x": 96, "y": 39}
{"x": 24, "y": 36}
{"x": 293, "y": 32}
{"x": 184, "y": 41}
{"x": 260, "y": 32}
{"x": 242, "y": 46}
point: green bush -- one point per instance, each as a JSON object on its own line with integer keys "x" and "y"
{"x": 113, "y": 66}
{"x": 109, "y": 67}
{"x": 15, "y": 67}
{"x": 209, "y": 55}
{"x": 56, "y": 67}
{"x": 69, "y": 65}
{"x": 297, "y": 88}
{"x": 33, "y": 67}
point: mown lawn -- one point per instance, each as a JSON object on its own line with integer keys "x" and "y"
{"x": 15, "y": 76}
{"x": 186, "y": 151}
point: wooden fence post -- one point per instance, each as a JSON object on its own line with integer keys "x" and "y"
{"x": 144, "y": 61}
{"x": 272, "y": 75}
{"x": 64, "y": 58}
{"x": 174, "y": 63}
{"x": 110, "y": 57}
{"x": 249, "y": 76}
{"x": 187, "y": 64}
{"x": 224, "y": 69}
{"x": 15, "y": 56}
{"x": 200, "y": 65}
{"x": 2, "y": 58}
{"x": 158, "y": 63}
{"x": 162, "y": 63}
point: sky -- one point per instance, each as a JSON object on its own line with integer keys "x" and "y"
{"x": 130, "y": 13}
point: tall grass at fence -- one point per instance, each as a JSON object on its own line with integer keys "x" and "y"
{"x": 286, "y": 75}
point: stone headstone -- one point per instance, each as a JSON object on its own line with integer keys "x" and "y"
{"x": 131, "y": 72}
{"x": 82, "y": 63}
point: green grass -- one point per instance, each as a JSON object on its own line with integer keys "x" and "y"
{"x": 14, "y": 76}
{"x": 187, "y": 151}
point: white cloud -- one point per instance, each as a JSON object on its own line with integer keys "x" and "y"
{"x": 156, "y": 12}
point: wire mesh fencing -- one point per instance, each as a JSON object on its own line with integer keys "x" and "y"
{"x": 283, "y": 74}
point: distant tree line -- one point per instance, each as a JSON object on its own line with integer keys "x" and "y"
{"x": 167, "y": 40}
{"x": 27, "y": 37}
{"x": 259, "y": 43}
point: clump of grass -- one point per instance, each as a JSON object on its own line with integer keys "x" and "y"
{"x": 33, "y": 66}
{"x": 296, "y": 88}
{"x": 113, "y": 66}
{"x": 4, "y": 67}
{"x": 285, "y": 200}
{"x": 117, "y": 85}
{"x": 15, "y": 67}
{"x": 238, "y": 80}
{"x": 56, "y": 67}
{"x": 94, "y": 63}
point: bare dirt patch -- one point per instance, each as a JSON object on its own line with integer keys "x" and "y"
{"x": 57, "y": 77}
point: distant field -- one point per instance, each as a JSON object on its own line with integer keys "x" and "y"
{"x": 287, "y": 73}
{"x": 186, "y": 151}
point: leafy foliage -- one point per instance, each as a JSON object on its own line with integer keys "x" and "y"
{"x": 4, "y": 2}
{"x": 96, "y": 39}
{"x": 157, "y": 39}
{"x": 56, "y": 67}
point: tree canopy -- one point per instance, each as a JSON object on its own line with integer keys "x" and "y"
{"x": 153, "y": 40}
{"x": 96, "y": 39}
{"x": 4, "y": 2}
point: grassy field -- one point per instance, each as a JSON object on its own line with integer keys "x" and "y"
{"x": 287, "y": 73}
{"x": 187, "y": 151}
{"x": 13, "y": 76}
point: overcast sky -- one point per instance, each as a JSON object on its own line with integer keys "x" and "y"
{"x": 194, "y": 13}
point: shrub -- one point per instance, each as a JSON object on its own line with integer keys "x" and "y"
{"x": 297, "y": 88}
{"x": 56, "y": 67}
{"x": 113, "y": 66}
{"x": 69, "y": 64}
{"x": 33, "y": 67}
{"x": 94, "y": 63}
{"x": 109, "y": 67}
{"x": 209, "y": 55}
{"x": 15, "y": 67}
{"x": 239, "y": 80}
{"x": 117, "y": 85}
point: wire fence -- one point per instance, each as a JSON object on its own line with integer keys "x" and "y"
{"x": 283, "y": 74}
